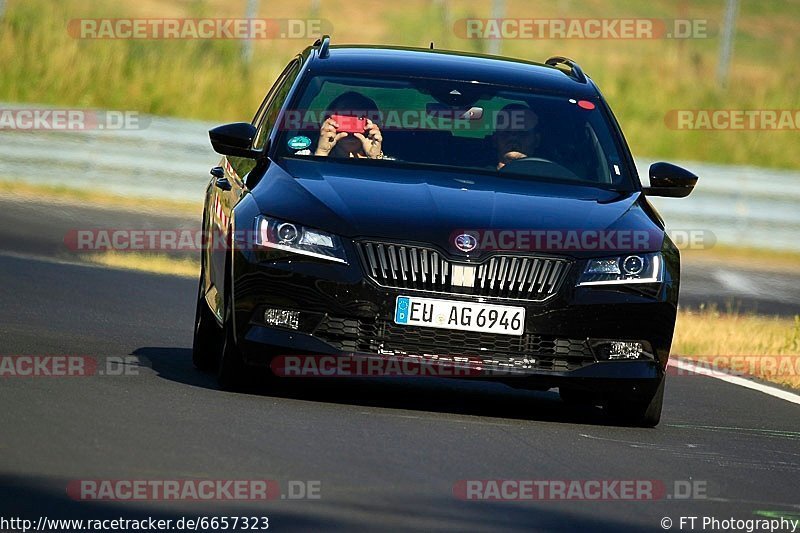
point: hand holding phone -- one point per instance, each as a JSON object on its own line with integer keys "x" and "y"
{"x": 349, "y": 124}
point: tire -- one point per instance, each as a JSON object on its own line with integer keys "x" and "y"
{"x": 232, "y": 375}
{"x": 642, "y": 411}
{"x": 207, "y": 341}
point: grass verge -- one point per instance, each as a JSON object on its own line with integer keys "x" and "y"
{"x": 764, "y": 347}
{"x": 93, "y": 199}
{"x": 154, "y": 263}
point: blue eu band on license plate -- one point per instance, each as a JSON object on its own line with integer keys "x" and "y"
{"x": 467, "y": 316}
{"x": 401, "y": 311}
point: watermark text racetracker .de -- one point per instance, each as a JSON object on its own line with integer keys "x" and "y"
{"x": 198, "y": 28}
{"x": 372, "y": 366}
{"x": 579, "y": 489}
{"x": 765, "y": 366}
{"x": 411, "y": 118}
{"x": 631, "y": 28}
{"x": 575, "y": 240}
{"x": 60, "y": 366}
{"x": 48, "y": 119}
{"x": 250, "y": 490}
{"x": 733, "y": 119}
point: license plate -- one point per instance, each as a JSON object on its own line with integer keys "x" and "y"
{"x": 467, "y": 316}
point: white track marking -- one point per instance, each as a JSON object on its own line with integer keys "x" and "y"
{"x": 735, "y": 380}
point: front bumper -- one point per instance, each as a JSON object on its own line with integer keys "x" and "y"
{"x": 341, "y": 312}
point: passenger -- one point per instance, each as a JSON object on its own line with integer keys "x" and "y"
{"x": 335, "y": 143}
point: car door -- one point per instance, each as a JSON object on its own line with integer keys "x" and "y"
{"x": 229, "y": 185}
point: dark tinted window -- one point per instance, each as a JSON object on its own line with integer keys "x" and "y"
{"x": 265, "y": 118}
{"x": 470, "y": 126}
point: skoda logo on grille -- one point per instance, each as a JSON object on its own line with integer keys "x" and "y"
{"x": 466, "y": 242}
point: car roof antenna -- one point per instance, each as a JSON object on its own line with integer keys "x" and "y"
{"x": 323, "y": 43}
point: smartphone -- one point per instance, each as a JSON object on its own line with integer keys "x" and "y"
{"x": 350, "y": 124}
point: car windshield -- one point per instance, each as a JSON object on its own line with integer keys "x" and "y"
{"x": 455, "y": 125}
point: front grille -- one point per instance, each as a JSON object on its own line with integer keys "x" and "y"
{"x": 425, "y": 269}
{"x": 529, "y": 351}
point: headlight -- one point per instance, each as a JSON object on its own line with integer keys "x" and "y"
{"x": 634, "y": 268}
{"x": 290, "y": 237}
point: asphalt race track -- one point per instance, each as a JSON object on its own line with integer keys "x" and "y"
{"x": 386, "y": 454}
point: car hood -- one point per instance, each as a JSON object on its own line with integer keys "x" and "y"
{"x": 432, "y": 206}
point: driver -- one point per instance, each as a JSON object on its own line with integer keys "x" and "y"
{"x": 368, "y": 144}
{"x": 515, "y": 135}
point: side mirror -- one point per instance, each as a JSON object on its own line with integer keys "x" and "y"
{"x": 234, "y": 139}
{"x": 670, "y": 180}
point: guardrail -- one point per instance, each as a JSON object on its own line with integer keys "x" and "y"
{"x": 747, "y": 206}
{"x": 170, "y": 159}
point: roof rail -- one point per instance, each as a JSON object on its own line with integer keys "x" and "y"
{"x": 575, "y": 71}
{"x": 323, "y": 43}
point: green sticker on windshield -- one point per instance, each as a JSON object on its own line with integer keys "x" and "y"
{"x": 300, "y": 142}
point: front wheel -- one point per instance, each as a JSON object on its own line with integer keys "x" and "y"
{"x": 233, "y": 374}
{"x": 207, "y": 340}
{"x": 640, "y": 410}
